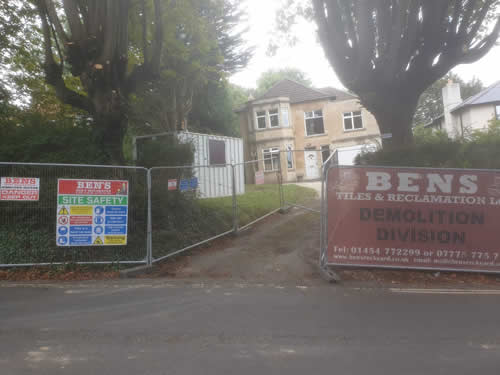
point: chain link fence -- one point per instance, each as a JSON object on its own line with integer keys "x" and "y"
{"x": 29, "y": 225}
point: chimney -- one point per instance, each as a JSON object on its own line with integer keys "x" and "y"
{"x": 451, "y": 98}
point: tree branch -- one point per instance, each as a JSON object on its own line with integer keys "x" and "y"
{"x": 483, "y": 47}
{"x": 54, "y": 72}
{"x": 144, "y": 30}
{"x": 51, "y": 13}
{"x": 478, "y": 22}
{"x": 73, "y": 17}
{"x": 157, "y": 37}
{"x": 366, "y": 31}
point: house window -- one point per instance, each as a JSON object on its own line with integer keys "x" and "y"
{"x": 353, "y": 121}
{"x": 284, "y": 118}
{"x": 271, "y": 159}
{"x": 497, "y": 110}
{"x": 314, "y": 123}
{"x": 216, "y": 152}
{"x": 274, "y": 118}
{"x": 289, "y": 157}
{"x": 325, "y": 153}
{"x": 261, "y": 120}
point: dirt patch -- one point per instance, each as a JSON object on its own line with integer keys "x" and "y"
{"x": 285, "y": 249}
{"x": 282, "y": 248}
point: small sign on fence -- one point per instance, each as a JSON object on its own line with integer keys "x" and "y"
{"x": 414, "y": 218}
{"x": 259, "y": 178}
{"x": 172, "y": 184}
{"x": 187, "y": 185}
{"x": 19, "y": 189}
{"x": 92, "y": 212}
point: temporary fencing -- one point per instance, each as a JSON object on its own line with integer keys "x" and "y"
{"x": 263, "y": 195}
{"x": 301, "y": 178}
{"x": 36, "y": 221}
{"x": 191, "y": 206}
{"x": 160, "y": 212}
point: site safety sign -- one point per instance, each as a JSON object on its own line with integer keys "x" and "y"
{"x": 19, "y": 189}
{"x": 92, "y": 212}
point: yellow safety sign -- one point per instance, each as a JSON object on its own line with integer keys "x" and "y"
{"x": 81, "y": 210}
{"x": 63, "y": 211}
{"x": 115, "y": 240}
{"x": 98, "y": 241}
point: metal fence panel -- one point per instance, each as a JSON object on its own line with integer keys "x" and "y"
{"x": 191, "y": 205}
{"x": 28, "y": 228}
{"x": 302, "y": 178}
{"x": 262, "y": 179}
{"x": 170, "y": 210}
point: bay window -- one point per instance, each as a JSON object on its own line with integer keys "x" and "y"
{"x": 261, "y": 119}
{"x": 271, "y": 159}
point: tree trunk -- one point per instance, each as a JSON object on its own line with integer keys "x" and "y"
{"x": 110, "y": 124}
{"x": 394, "y": 114}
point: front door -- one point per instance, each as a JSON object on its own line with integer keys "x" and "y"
{"x": 312, "y": 170}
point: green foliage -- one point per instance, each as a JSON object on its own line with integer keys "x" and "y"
{"x": 430, "y": 105}
{"x": 481, "y": 150}
{"x": 213, "y": 109}
{"x": 202, "y": 47}
{"x": 164, "y": 151}
{"x": 270, "y": 77}
{"x": 31, "y": 137}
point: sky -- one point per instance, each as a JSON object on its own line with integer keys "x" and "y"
{"x": 308, "y": 56}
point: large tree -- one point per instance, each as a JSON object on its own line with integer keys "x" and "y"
{"x": 389, "y": 51}
{"x": 205, "y": 45}
{"x": 90, "y": 39}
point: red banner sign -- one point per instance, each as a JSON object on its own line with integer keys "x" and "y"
{"x": 19, "y": 189}
{"x": 93, "y": 187}
{"x": 414, "y": 218}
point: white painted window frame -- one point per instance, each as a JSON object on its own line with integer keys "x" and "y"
{"x": 267, "y": 154}
{"x": 277, "y": 114}
{"x": 351, "y": 116}
{"x": 314, "y": 117}
{"x": 257, "y": 117}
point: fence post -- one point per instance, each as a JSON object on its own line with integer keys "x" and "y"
{"x": 280, "y": 182}
{"x": 235, "y": 202}
{"x": 149, "y": 241}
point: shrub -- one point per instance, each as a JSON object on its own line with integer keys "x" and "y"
{"x": 31, "y": 137}
{"x": 165, "y": 150}
{"x": 434, "y": 149}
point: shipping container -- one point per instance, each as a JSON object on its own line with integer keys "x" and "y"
{"x": 213, "y": 157}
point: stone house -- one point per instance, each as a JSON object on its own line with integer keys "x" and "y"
{"x": 463, "y": 116}
{"x": 304, "y": 125}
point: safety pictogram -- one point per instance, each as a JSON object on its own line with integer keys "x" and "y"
{"x": 63, "y": 211}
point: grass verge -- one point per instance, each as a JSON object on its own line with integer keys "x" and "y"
{"x": 258, "y": 200}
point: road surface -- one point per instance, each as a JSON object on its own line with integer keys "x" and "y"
{"x": 187, "y": 327}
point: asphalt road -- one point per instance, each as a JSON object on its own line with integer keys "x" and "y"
{"x": 161, "y": 327}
